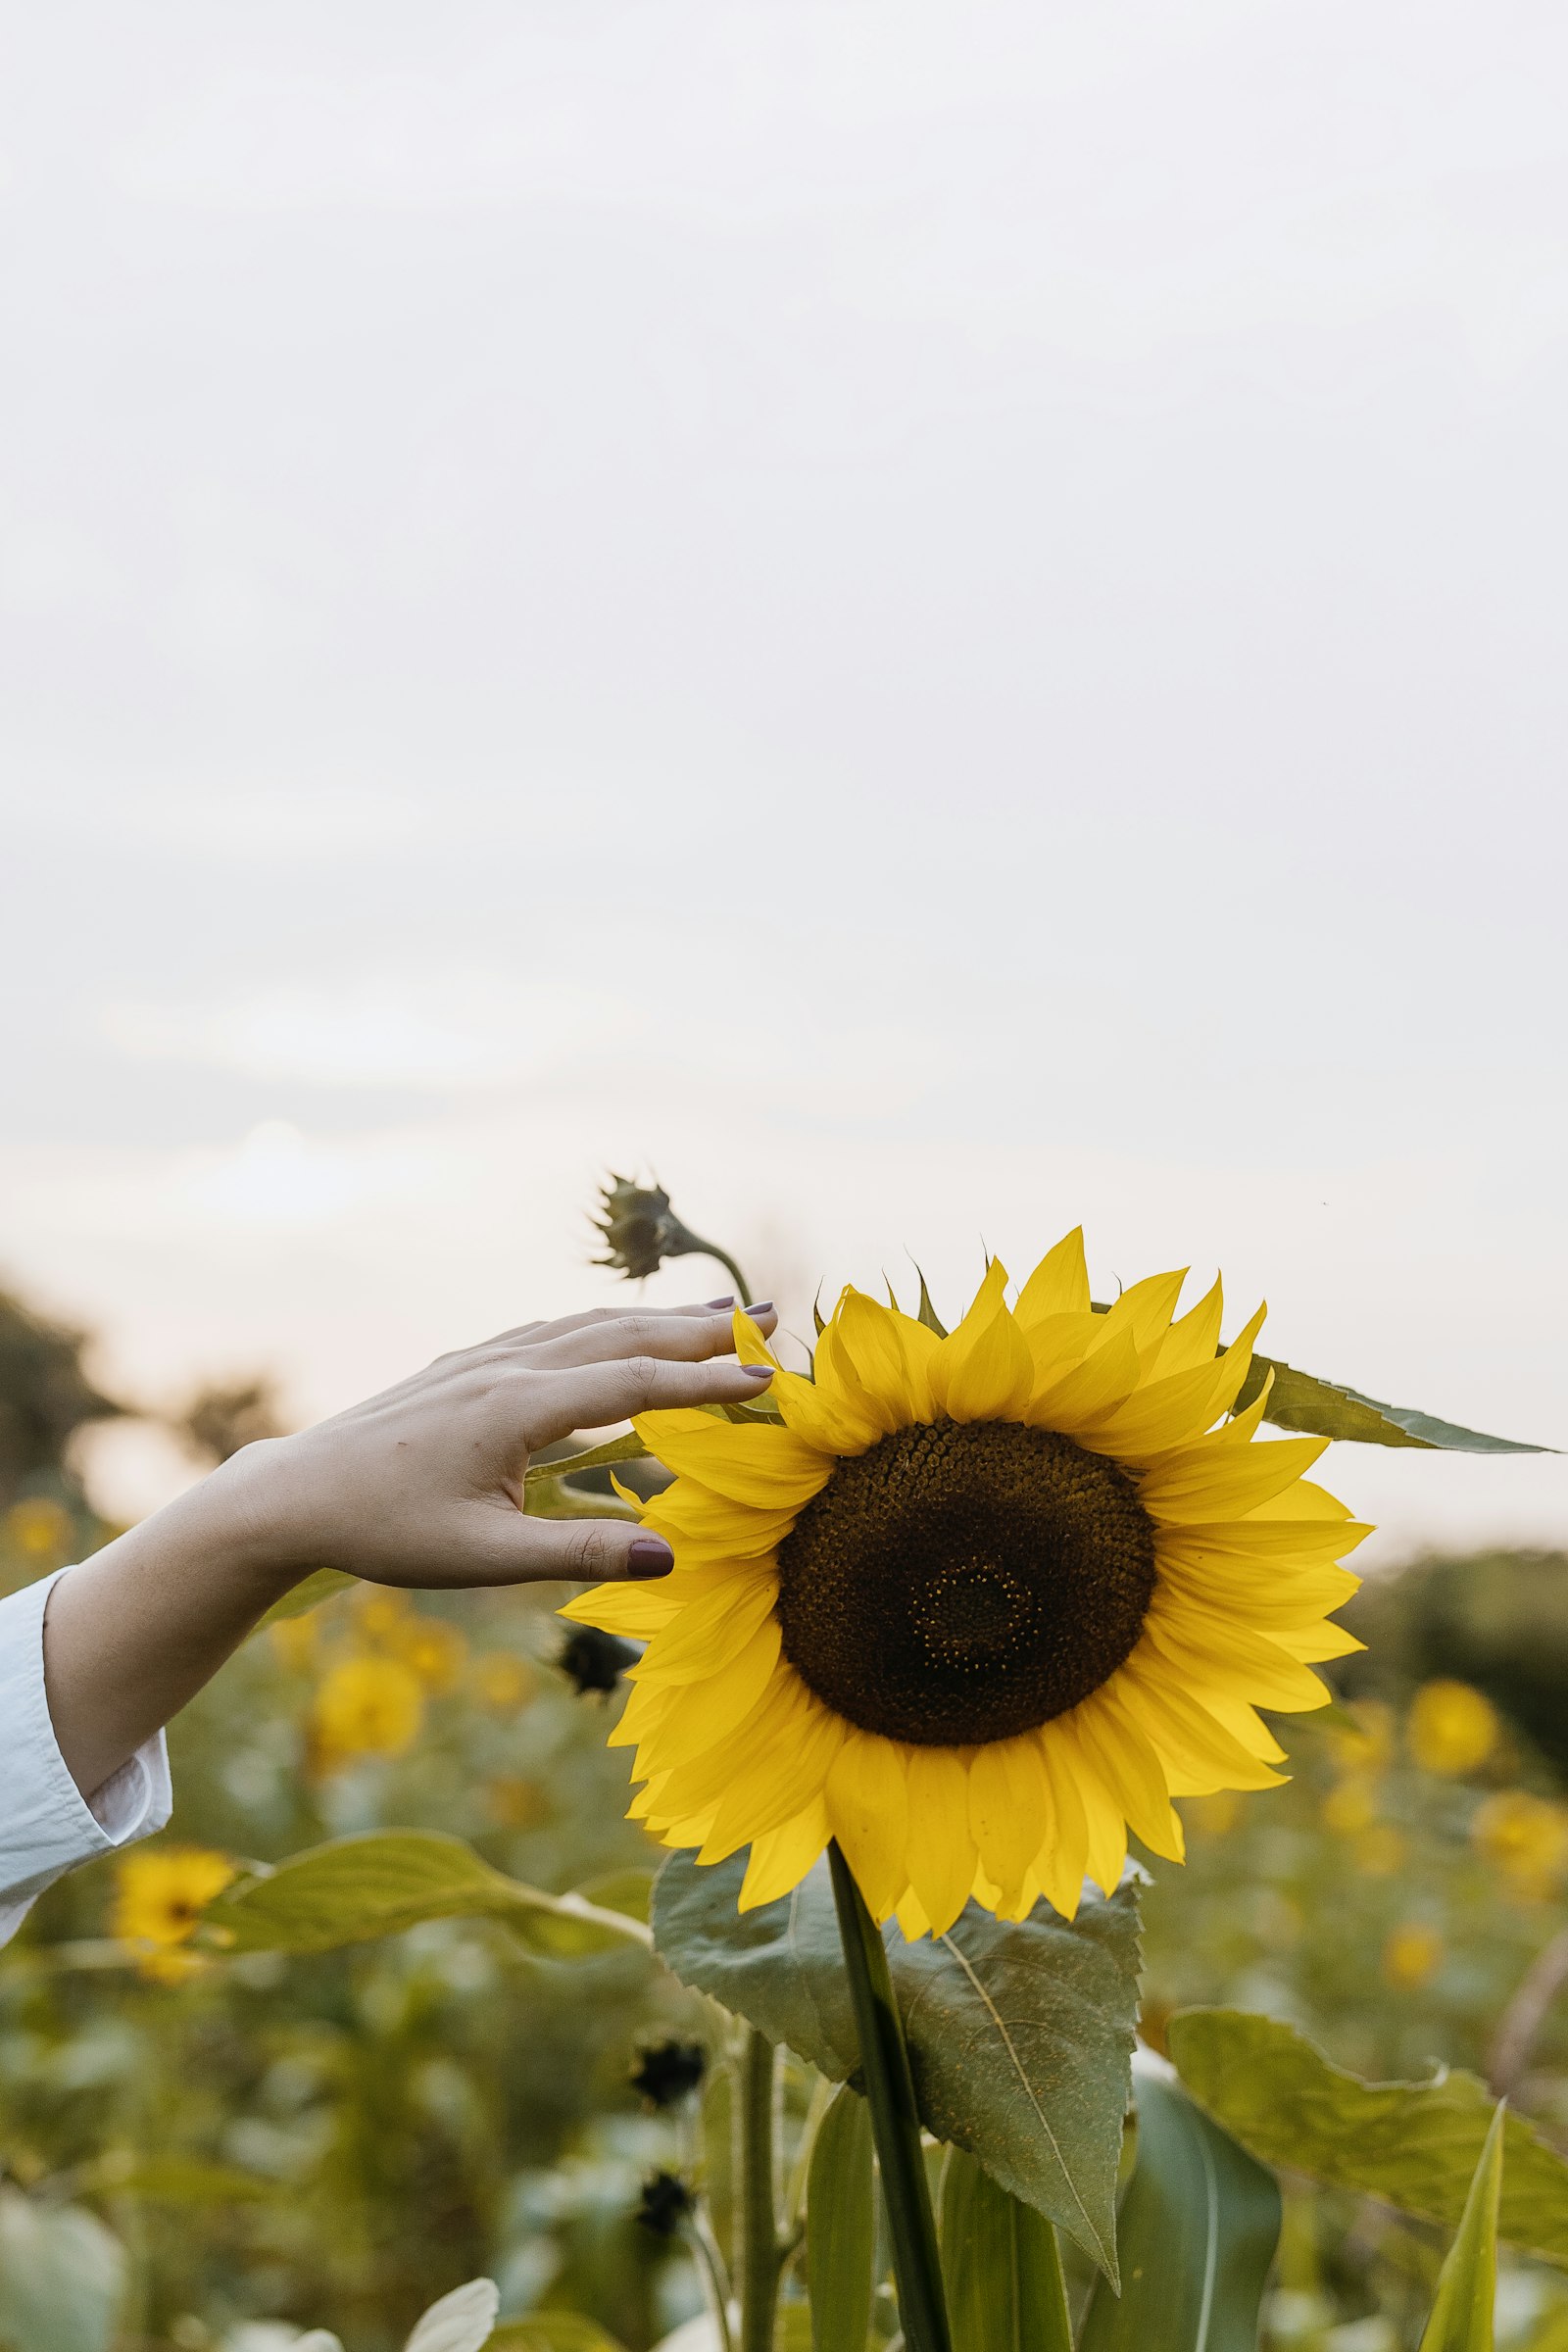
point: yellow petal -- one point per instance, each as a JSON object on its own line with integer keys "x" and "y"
{"x": 1314, "y": 1643}
{"x": 1194, "y": 1339}
{"x": 868, "y": 1813}
{"x": 1198, "y": 1753}
{"x": 1007, "y": 1810}
{"x": 1063, "y": 1856}
{"x": 911, "y": 1919}
{"x": 1067, "y": 1763}
{"x": 797, "y": 1773}
{"x": 1303, "y": 1500}
{"x": 984, "y": 1371}
{"x": 708, "y": 1713}
{"x": 1058, "y": 1284}
{"x": 1258, "y": 1543}
{"x": 1089, "y": 1390}
{"x": 940, "y": 1851}
{"x": 764, "y": 1465}
{"x": 1213, "y": 1649}
{"x": 711, "y": 1632}
{"x": 1146, "y": 1307}
{"x": 629, "y": 1611}
{"x": 1165, "y": 1413}
{"x": 1129, "y": 1767}
{"x": 780, "y": 1858}
{"x": 840, "y": 1383}
{"x": 1210, "y": 1481}
{"x": 869, "y": 1335}
{"x": 708, "y": 1529}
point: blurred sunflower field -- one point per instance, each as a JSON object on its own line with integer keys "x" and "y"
{"x": 221, "y": 2150}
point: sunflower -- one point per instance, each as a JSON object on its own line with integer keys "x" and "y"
{"x": 976, "y": 1605}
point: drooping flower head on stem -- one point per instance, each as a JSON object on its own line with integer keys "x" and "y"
{"x": 976, "y": 1605}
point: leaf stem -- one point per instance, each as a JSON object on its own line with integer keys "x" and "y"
{"x": 699, "y": 2236}
{"x": 758, "y": 2249}
{"x": 894, "y": 2119}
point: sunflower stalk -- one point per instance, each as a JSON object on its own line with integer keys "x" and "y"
{"x": 894, "y": 2119}
{"x": 761, "y": 2254}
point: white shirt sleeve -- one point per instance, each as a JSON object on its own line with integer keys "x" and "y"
{"x": 46, "y": 1826}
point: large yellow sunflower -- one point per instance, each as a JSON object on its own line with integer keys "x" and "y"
{"x": 976, "y": 1605}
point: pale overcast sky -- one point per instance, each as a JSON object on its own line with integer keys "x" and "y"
{"x": 931, "y": 620}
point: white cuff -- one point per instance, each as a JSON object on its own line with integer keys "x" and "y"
{"x": 46, "y": 1826}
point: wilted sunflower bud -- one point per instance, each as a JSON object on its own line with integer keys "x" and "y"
{"x": 641, "y": 1230}
{"x": 594, "y": 1661}
{"x": 665, "y": 2203}
{"x": 667, "y": 2072}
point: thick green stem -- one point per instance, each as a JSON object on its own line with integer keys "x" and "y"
{"x": 894, "y": 2119}
{"x": 694, "y": 1247}
{"x": 759, "y": 2248}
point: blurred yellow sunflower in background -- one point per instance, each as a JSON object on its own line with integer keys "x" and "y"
{"x": 976, "y": 1605}
{"x": 159, "y": 1896}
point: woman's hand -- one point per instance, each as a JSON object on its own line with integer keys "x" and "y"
{"x": 423, "y": 1484}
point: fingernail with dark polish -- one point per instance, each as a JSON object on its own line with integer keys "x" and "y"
{"x": 757, "y": 1371}
{"x": 728, "y": 1300}
{"x": 650, "y": 1555}
{"x": 760, "y": 1306}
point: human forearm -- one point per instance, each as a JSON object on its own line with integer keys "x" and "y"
{"x": 133, "y": 1632}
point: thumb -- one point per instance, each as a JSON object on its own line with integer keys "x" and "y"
{"x": 595, "y": 1551}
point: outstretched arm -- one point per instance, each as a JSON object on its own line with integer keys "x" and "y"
{"x": 422, "y": 1485}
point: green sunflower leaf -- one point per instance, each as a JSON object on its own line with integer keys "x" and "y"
{"x": 840, "y": 2227}
{"x": 626, "y": 1449}
{"x": 1199, "y": 2226}
{"x": 1020, "y": 2033}
{"x": 377, "y": 1884}
{"x": 323, "y": 1584}
{"x": 1000, "y": 2265}
{"x": 1467, "y": 2288}
{"x": 1326, "y": 1409}
{"x": 1414, "y": 2144}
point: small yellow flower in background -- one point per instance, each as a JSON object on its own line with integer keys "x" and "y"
{"x": 1349, "y": 1808}
{"x": 366, "y": 1707}
{"x": 434, "y": 1649}
{"x": 381, "y": 1612}
{"x": 503, "y": 1682}
{"x": 1525, "y": 1839}
{"x": 159, "y": 1900}
{"x": 1379, "y": 1851}
{"x": 40, "y": 1528}
{"x": 296, "y": 1640}
{"x": 1411, "y": 1956}
{"x": 1215, "y": 1815}
{"x": 1452, "y": 1727}
{"x": 516, "y": 1804}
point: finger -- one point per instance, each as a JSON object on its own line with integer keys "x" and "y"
{"x": 588, "y": 1396}
{"x": 526, "y": 1551}
{"x": 684, "y": 1339}
{"x": 535, "y": 1335}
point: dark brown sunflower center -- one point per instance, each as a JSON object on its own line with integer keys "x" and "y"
{"x": 962, "y": 1582}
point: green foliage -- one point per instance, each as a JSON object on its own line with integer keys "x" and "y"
{"x": 384, "y": 1880}
{"x": 1198, "y": 2227}
{"x": 1497, "y": 1619}
{"x": 45, "y": 1397}
{"x": 1467, "y": 2289}
{"x": 1001, "y": 2266}
{"x": 1020, "y": 2034}
{"x": 840, "y": 2227}
{"x": 551, "y": 2331}
{"x": 62, "y": 2276}
{"x": 1416, "y": 2144}
{"x": 1326, "y": 1408}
